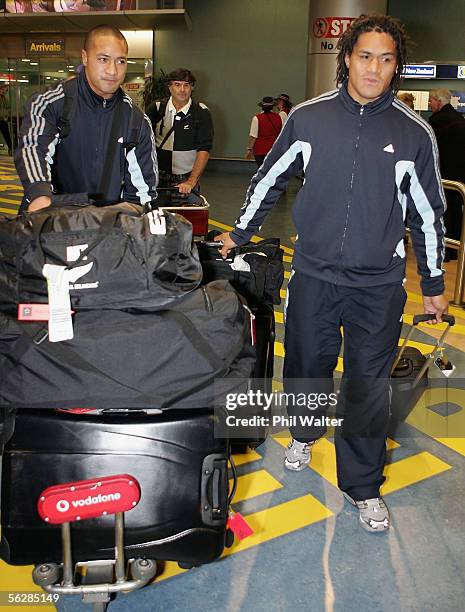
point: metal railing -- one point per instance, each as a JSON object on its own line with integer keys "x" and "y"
{"x": 458, "y": 245}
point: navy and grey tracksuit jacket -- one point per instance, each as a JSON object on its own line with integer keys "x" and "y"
{"x": 46, "y": 163}
{"x": 367, "y": 168}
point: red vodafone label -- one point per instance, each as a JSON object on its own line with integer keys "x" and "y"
{"x": 83, "y": 499}
{"x": 331, "y": 27}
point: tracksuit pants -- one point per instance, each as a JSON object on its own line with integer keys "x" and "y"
{"x": 370, "y": 318}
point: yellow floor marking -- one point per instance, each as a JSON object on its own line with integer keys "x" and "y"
{"x": 456, "y": 444}
{"x": 279, "y": 349}
{"x": 287, "y": 259}
{"x": 248, "y": 457}
{"x": 433, "y": 424}
{"x": 9, "y": 187}
{"x": 270, "y": 524}
{"x": 280, "y": 520}
{"x": 9, "y": 201}
{"x": 279, "y": 316}
{"x": 391, "y": 444}
{"x": 399, "y": 474}
{"x": 287, "y": 274}
{"x": 282, "y": 293}
{"x": 255, "y": 484}
{"x": 10, "y": 211}
{"x": 8, "y": 177}
{"x": 405, "y": 472}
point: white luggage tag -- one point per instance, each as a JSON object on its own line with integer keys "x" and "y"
{"x": 443, "y": 364}
{"x": 239, "y": 264}
{"x": 60, "y": 324}
{"x": 157, "y": 222}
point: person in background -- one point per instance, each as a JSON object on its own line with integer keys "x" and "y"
{"x": 184, "y": 133}
{"x": 408, "y": 99}
{"x": 50, "y": 159}
{"x": 449, "y": 127}
{"x": 264, "y": 129}
{"x": 4, "y": 117}
{"x": 367, "y": 159}
{"x": 284, "y": 105}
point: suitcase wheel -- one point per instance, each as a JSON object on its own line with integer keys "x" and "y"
{"x": 45, "y": 574}
{"x": 186, "y": 566}
{"x": 229, "y": 540}
{"x": 143, "y": 569}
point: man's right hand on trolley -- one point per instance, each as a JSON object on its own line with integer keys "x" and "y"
{"x": 38, "y": 203}
{"x": 228, "y": 243}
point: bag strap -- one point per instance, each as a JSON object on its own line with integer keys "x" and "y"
{"x": 37, "y": 334}
{"x": 113, "y": 144}
{"x": 63, "y": 123}
{"x": 135, "y": 128}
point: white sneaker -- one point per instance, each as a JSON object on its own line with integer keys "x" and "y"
{"x": 297, "y": 455}
{"x": 373, "y": 513}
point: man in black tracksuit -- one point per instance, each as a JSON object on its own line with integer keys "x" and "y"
{"x": 367, "y": 160}
{"x": 65, "y": 134}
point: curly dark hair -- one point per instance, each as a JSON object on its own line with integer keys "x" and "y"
{"x": 373, "y": 23}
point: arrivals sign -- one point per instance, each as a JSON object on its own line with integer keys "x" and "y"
{"x": 45, "y": 46}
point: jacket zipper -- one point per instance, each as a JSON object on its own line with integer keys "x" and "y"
{"x": 349, "y": 201}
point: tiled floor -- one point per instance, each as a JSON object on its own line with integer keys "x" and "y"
{"x": 308, "y": 551}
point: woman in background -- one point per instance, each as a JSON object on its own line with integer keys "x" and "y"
{"x": 264, "y": 129}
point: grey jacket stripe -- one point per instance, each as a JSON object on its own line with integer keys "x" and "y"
{"x": 268, "y": 181}
{"x": 38, "y": 126}
{"x": 426, "y": 212}
{"x": 420, "y": 199}
{"x": 36, "y": 129}
{"x": 135, "y": 170}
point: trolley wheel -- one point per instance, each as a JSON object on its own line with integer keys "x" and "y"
{"x": 143, "y": 569}
{"x": 45, "y": 574}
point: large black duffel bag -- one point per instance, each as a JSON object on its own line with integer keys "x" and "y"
{"x": 179, "y": 463}
{"x": 118, "y": 256}
{"x": 179, "y": 357}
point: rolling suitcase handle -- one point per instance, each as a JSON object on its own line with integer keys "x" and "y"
{"x": 449, "y": 319}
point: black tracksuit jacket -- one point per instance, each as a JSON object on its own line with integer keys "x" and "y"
{"x": 365, "y": 167}
{"x": 46, "y": 163}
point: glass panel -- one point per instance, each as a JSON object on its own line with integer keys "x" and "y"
{"x": 5, "y": 108}
{"x": 134, "y": 82}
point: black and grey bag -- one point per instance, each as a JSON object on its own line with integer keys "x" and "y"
{"x": 115, "y": 256}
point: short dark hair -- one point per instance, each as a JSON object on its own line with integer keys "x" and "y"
{"x": 373, "y": 23}
{"x": 181, "y": 74}
{"x": 105, "y": 30}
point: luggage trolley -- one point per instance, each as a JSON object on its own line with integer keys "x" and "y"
{"x": 95, "y": 580}
{"x": 194, "y": 207}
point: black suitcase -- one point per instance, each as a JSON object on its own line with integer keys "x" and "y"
{"x": 264, "y": 325}
{"x": 409, "y": 375}
{"x": 180, "y": 466}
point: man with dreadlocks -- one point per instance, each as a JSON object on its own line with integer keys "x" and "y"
{"x": 367, "y": 160}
